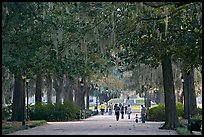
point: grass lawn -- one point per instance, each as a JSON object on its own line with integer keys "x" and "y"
{"x": 10, "y": 127}
{"x": 136, "y": 107}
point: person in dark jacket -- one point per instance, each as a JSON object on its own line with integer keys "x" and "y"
{"x": 117, "y": 111}
{"x": 122, "y": 112}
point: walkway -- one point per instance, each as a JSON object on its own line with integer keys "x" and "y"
{"x": 99, "y": 125}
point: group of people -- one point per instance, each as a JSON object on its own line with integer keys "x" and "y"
{"x": 122, "y": 109}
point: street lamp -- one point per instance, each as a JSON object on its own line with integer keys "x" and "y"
{"x": 23, "y": 101}
{"x": 27, "y": 81}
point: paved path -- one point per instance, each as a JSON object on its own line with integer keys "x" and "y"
{"x": 99, "y": 125}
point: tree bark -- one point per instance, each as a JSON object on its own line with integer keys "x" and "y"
{"x": 171, "y": 118}
{"x": 68, "y": 91}
{"x": 3, "y": 93}
{"x": 49, "y": 89}
{"x": 193, "y": 105}
{"x": 38, "y": 91}
{"x": 82, "y": 94}
{"x": 189, "y": 94}
{"x": 17, "y": 105}
{"x": 58, "y": 84}
{"x": 77, "y": 93}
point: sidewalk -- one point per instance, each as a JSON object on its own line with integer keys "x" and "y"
{"x": 99, "y": 125}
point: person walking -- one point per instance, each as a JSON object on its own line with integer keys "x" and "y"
{"x": 143, "y": 113}
{"x": 125, "y": 109}
{"x": 122, "y": 112}
{"x": 110, "y": 108}
{"x": 102, "y": 107}
{"x": 117, "y": 111}
{"x": 129, "y": 111}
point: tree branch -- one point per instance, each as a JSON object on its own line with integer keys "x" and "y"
{"x": 178, "y": 6}
{"x": 157, "y": 6}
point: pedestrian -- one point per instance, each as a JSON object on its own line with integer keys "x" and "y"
{"x": 120, "y": 105}
{"x": 115, "y": 106}
{"x": 125, "y": 109}
{"x": 102, "y": 107}
{"x": 122, "y": 112}
{"x": 110, "y": 108}
{"x": 129, "y": 111}
{"x": 143, "y": 113}
{"x": 117, "y": 111}
{"x": 136, "y": 118}
{"x": 96, "y": 109}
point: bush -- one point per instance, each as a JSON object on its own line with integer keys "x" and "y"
{"x": 87, "y": 113}
{"x": 157, "y": 113}
{"x": 196, "y": 122}
{"x": 54, "y": 112}
{"x": 7, "y": 112}
{"x": 180, "y": 109}
{"x": 199, "y": 111}
{"x": 183, "y": 131}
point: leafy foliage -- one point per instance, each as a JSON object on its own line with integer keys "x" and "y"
{"x": 54, "y": 112}
{"x": 6, "y": 112}
{"x": 157, "y": 113}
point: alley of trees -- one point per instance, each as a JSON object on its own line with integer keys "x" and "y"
{"x": 67, "y": 48}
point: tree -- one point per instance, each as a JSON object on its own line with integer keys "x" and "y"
{"x": 149, "y": 40}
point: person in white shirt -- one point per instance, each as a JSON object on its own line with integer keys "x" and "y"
{"x": 129, "y": 111}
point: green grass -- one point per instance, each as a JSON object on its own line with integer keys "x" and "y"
{"x": 116, "y": 100}
{"x": 10, "y": 127}
{"x": 136, "y": 107}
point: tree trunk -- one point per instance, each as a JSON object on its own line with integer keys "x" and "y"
{"x": 77, "y": 90}
{"x": 17, "y": 105}
{"x": 189, "y": 94}
{"x": 49, "y": 89}
{"x": 171, "y": 118}
{"x": 38, "y": 91}
{"x": 3, "y": 93}
{"x": 193, "y": 105}
{"x": 68, "y": 91}
{"x": 58, "y": 84}
{"x": 82, "y": 94}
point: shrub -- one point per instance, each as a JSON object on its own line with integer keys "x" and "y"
{"x": 199, "y": 111}
{"x": 54, "y": 112}
{"x": 87, "y": 113}
{"x": 183, "y": 131}
{"x": 39, "y": 111}
{"x": 157, "y": 113}
{"x": 180, "y": 109}
{"x": 7, "y": 112}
